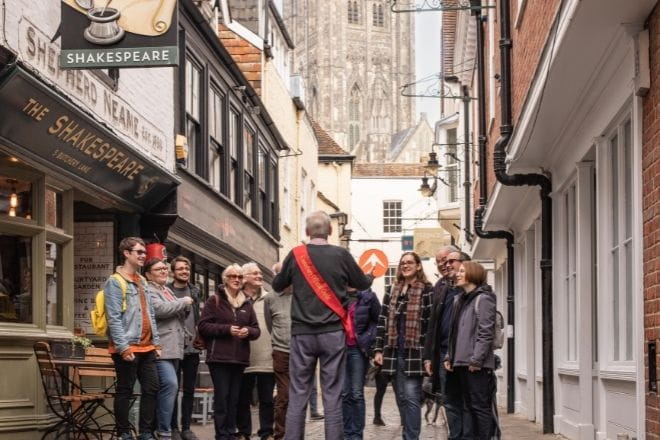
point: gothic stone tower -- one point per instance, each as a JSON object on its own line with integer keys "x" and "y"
{"x": 354, "y": 55}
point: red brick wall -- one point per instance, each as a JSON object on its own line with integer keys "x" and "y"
{"x": 529, "y": 40}
{"x": 246, "y": 56}
{"x": 651, "y": 219}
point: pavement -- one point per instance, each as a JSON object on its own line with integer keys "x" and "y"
{"x": 513, "y": 427}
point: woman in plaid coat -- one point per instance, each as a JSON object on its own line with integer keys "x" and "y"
{"x": 402, "y": 326}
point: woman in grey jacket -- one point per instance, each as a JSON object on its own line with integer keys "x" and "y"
{"x": 470, "y": 359}
{"x": 170, "y": 314}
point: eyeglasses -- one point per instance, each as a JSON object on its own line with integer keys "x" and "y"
{"x": 236, "y": 277}
{"x": 453, "y": 260}
{"x": 139, "y": 251}
{"x": 159, "y": 269}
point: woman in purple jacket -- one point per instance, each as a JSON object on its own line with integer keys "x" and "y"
{"x": 364, "y": 309}
{"x": 227, "y": 325}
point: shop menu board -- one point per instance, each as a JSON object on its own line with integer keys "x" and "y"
{"x": 93, "y": 264}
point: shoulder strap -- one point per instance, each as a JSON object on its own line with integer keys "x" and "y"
{"x": 320, "y": 287}
{"x": 124, "y": 288}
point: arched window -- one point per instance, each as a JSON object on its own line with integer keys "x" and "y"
{"x": 354, "y": 117}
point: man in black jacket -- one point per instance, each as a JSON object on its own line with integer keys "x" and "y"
{"x": 316, "y": 331}
{"x": 437, "y": 341}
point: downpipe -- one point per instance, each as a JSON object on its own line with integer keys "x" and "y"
{"x": 545, "y": 185}
{"x": 503, "y": 235}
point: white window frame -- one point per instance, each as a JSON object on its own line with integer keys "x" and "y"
{"x": 567, "y": 271}
{"x": 611, "y": 363}
{"x": 286, "y": 193}
{"x": 389, "y": 209}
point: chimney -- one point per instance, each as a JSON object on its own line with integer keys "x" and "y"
{"x": 246, "y": 56}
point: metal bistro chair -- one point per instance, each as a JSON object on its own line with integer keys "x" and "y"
{"x": 67, "y": 400}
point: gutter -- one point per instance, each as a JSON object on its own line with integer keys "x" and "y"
{"x": 545, "y": 185}
{"x": 336, "y": 158}
{"x": 478, "y": 219}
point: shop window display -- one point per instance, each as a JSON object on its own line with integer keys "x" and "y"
{"x": 15, "y": 278}
{"x": 15, "y": 197}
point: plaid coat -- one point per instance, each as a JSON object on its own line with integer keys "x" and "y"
{"x": 413, "y": 356}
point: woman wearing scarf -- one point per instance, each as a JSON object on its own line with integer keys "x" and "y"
{"x": 170, "y": 313}
{"x": 399, "y": 348}
{"x": 228, "y": 324}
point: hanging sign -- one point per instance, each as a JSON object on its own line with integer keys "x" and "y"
{"x": 118, "y": 33}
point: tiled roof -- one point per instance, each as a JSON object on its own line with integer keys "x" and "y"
{"x": 388, "y": 170}
{"x": 327, "y": 145}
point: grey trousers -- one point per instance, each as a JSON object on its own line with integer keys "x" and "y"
{"x": 329, "y": 349}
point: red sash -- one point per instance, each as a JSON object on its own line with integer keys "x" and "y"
{"x": 320, "y": 287}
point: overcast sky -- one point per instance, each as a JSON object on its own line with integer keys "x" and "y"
{"x": 427, "y": 54}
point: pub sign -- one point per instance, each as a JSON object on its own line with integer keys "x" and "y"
{"x": 118, "y": 33}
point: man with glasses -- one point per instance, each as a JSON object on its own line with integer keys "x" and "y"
{"x": 437, "y": 340}
{"x": 133, "y": 339}
{"x": 182, "y": 287}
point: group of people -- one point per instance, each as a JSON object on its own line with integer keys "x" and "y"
{"x": 151, "y": 331}
{"x": 322, "y": 314}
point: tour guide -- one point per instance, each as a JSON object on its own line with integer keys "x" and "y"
{"x": 319, "y": 273}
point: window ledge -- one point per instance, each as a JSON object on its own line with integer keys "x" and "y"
{"x": 628, "y": 375}
{"x": 568, "y": 370}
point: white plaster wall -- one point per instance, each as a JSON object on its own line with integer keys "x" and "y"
{"x": 335, "y": 185}
{"x": 297, "y": 131}
{"x": 148, "y": 92}
{"x": 368, "y": 195}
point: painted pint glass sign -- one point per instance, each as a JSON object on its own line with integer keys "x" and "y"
{"x": 118, "y": 33}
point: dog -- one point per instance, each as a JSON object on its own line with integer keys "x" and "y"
{"x": 433, "y": 403}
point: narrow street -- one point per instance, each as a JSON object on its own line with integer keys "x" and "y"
{"x": 513, "y": 427}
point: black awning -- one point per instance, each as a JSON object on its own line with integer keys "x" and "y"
{"x": 48, "y": 128}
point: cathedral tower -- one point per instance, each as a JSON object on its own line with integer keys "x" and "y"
{"x": 355, "y": 55}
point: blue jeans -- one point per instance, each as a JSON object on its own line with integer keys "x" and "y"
{"x": 353, "y": 407}
{"x": 169, "y": 387}
{"x": 409, "y": 400}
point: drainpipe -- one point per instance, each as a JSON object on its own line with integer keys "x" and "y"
{"x": 545, "y": 185}
{"x": 478, "y": 219}
{"x": 467, "y": 228}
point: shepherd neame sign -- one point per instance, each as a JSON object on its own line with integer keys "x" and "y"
{"x": 118, "y": 33}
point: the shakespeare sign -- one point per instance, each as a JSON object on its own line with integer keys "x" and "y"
{"x": 118, "y": 33}
{"x": 48, "y": 128}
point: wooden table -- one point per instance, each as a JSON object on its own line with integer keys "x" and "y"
{"x": 79, "y": 368}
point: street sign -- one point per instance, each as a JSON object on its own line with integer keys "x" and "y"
{"x": 407, "y": 243}
{"x": 373, "y": 261}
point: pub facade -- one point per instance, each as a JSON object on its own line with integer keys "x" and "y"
{"x": 87, "y": 157}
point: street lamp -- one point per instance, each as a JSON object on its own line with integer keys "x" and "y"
{"x": 426, "y": 189}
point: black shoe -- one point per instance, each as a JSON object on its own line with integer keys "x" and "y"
{"x": 176, "y": 435}
{"x": 188, "y": 435}
{"x": 316, "y": 416}
{"x": 379, "y": 422}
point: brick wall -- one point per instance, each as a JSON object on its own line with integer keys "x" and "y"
{"x": 246, "y": 56}
{"x": 529, "y": 32}
{"x": 651, "y": 219}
